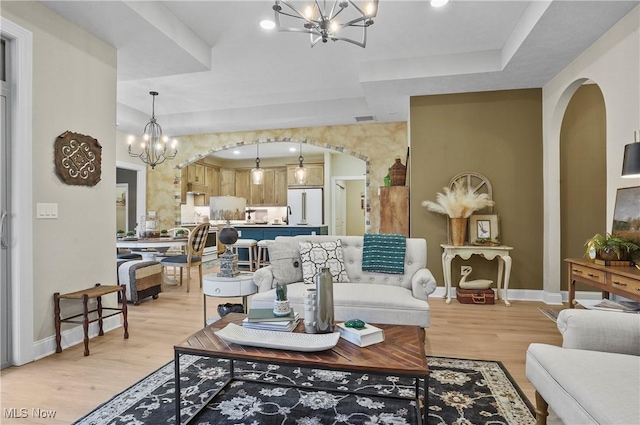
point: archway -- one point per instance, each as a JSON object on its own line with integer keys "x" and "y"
{"x": 338, "y": 149}
{"x": 583, "y": 189}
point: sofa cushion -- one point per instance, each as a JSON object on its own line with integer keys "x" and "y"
{"x": 316, "y": 255}
{"x": 286, "y": 265}
{"x": 586, "y": 387}
{"x": 383, "y": 253}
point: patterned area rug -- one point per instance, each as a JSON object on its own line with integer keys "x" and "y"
{"x": 551, "y": 313}
{"x": 460, "y": 392}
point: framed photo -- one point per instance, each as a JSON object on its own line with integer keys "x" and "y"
{"x": 483, "y": 229}
{"x": 626, "y": 214}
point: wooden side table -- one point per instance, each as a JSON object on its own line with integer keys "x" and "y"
{"x": 223, "y": 287}
{"x": 489, "y": 252}
{"x": 85, "y": 295}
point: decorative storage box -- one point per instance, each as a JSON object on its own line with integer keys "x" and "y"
{"x": 475, "y": 296}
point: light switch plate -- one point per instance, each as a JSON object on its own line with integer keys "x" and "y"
{"x": 46, "y": 210}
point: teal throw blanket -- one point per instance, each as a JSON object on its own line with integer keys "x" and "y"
{"x": 383, "y": 253}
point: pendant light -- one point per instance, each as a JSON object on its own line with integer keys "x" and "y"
{"x": 300, "y": 174}
{"x": 631, "y": 161}
{"x": 257, "y": 174}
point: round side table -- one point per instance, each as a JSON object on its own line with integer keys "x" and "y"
{"x": 226, "y": 287}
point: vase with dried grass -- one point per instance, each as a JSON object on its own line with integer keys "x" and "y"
{"x": 458, "y": 202}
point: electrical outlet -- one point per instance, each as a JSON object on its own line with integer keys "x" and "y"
{"x": 462, "y": 269}
{"x": 239, "y": 233}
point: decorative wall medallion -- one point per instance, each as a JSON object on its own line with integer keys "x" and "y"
{"x": 78, "y": 159}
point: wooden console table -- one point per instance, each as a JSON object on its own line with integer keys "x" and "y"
{"x": 623, "y": 281}
{"x": 85, "y": 295}
{"x": 489, "y": 252}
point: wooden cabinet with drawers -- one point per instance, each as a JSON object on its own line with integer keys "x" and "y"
{"x": 623, "y": 281}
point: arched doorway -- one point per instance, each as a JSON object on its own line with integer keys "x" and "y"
{"x": 583, "y": 185}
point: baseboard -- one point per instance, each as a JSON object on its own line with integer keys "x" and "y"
{"x": 551, "y": 298}
{"x": 70, "y": 337}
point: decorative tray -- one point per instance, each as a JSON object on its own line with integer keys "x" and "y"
{"x": 276, "y": 339}
{"x": 130, "y": 238}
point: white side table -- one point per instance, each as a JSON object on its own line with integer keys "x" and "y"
{"x": 489, "y": 252}
{"x": 225, "y": 287}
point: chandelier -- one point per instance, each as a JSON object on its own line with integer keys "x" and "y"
{"x": 300, "y": 173}
{"x": 154, "y": 145}
{"x": 334, "y": 20}
{"x": 257, "y": 174}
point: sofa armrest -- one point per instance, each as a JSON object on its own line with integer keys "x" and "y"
{"x": 595, "y": 330}
{"x": 263, "y": 278}
{"x": 422, "y": 284}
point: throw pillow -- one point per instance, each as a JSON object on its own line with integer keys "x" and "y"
{"x": 383, "y": 253}
{"x": 285, "y": 261}
{"x": 316, "y": 255}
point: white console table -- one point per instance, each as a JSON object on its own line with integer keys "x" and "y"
{"x": 489, "y": 252}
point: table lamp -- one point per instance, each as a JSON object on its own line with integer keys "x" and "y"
{"x": 227, "y": 208}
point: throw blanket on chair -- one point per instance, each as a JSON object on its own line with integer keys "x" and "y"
{"x": 383, "y": 253}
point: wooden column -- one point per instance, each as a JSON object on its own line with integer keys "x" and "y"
{"x": 394, "y": 209}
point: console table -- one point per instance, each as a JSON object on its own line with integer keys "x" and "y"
{"x": 489, "y": 252}
{"x": 623, "y": 281}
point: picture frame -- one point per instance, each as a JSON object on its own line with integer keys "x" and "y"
{"x": 483, "y": 229}
{"x": 626, "y": 213}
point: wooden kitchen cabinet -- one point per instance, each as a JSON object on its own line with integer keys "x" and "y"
{"x": 280, "y": 187}
{"x": 227, "y": 182}
{"x": 263, "y": 194}
{"x": 197, "y": 174}
{"x": 315, "y": 175}
{"x": 243, "y": 184}
{"x": 214, "y": 181}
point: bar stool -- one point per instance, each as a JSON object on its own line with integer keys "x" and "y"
{"x": 262, "y": 253}
{"x": 251, "y": 245}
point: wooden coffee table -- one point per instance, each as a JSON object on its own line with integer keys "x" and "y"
{"x": 401, "y": 354}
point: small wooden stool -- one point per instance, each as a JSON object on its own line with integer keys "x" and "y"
{"x": 85, "y": 295}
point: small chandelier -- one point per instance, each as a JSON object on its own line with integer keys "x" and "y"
{"x": 257, "y": 174}
{"x": 154, "y": 145}
{"x": 333, "y": 21}
{"x": 300, "y": 173}
{"x": 631, "y": 160}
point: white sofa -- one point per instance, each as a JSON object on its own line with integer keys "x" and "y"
{"x": 594, "y": 378}
{"x": 370, "y": 296}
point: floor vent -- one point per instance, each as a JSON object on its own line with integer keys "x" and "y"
{"x": 365, "y": 118}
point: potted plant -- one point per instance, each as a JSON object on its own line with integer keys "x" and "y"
{"x": 609, "y": 247}
{"x": 180, "y": 233}
{"x": 130, "y": 234}
{"x": 120, "y": 233}
{"x": 281, "y": 305}
{"x": 164, "y": 233}
{"x": 458, "y": 202}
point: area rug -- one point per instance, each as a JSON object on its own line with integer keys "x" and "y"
{"x": 460, "y": 392}
{"x": 551, "y": 313}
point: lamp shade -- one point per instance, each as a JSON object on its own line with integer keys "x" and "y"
{"x": 631, "y": 161}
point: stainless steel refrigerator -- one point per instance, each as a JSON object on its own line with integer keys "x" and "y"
{"x": 306, "y": 206}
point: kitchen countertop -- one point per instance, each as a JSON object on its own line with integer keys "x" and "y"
{"x": 244, "y": 224}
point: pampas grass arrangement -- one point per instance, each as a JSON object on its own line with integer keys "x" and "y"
{"x": 458, "y": 202}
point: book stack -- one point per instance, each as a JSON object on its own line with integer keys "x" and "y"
{"x": 264, "y": 319}
{"x": 361, "y": 337}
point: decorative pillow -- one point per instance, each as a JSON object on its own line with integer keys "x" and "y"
{"x": 316, "y": 255}
{"x": 286, "y": 265}
{"x": 383, "y": 253}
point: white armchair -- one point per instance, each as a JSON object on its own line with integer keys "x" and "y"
{"x": 594, "y": 378}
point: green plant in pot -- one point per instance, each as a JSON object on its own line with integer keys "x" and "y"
{"x": 180, "y": 233}
{"x": 281, "y": 305}
{"x": 281, "y": 292}
{"x": 164, "y": 233}
{"x": 130, "y": 234}
{"x": 609, "y": 247}
{"x": 120, "y": 233}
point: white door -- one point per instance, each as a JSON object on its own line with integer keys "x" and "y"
{"x": 5, "y": 254}
{"x": 340, "y": 208}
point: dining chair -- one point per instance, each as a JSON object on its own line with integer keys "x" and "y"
{"x": 193, "y": 256}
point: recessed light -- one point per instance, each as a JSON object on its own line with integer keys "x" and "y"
{"x": 267, "y": 24}
{"x": 236, "y": 152}
{"x": 438, "y": 3}
{"x": 292, "y": 149}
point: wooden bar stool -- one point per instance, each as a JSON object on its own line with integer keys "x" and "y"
{"x": 251, "y": 245}
{"x": 262, "y": 254}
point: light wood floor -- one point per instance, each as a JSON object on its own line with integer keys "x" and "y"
{"x": 72, "y": 385}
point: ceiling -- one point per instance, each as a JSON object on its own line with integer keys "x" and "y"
{"x": 217, "y": 71}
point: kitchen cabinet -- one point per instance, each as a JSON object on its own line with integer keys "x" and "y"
{"x": 315, "y": 175}
{"x": 197, "y": 174}
{"x": 227, "y": 182}
{"x": 214, "y": 181}
{"x": 200, "y": 179}
{"x": 243, "y": 185}
{"x": 263, "y": 194}
{"x": 280, "y": 187}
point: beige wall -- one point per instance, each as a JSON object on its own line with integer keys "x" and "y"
{"x": 379, "y": 143}
{"x": 497, "y": 134}
{"x": 583, "y": 186}
{"x": 355, "y": 214}
{"x": 74, "y": 88}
